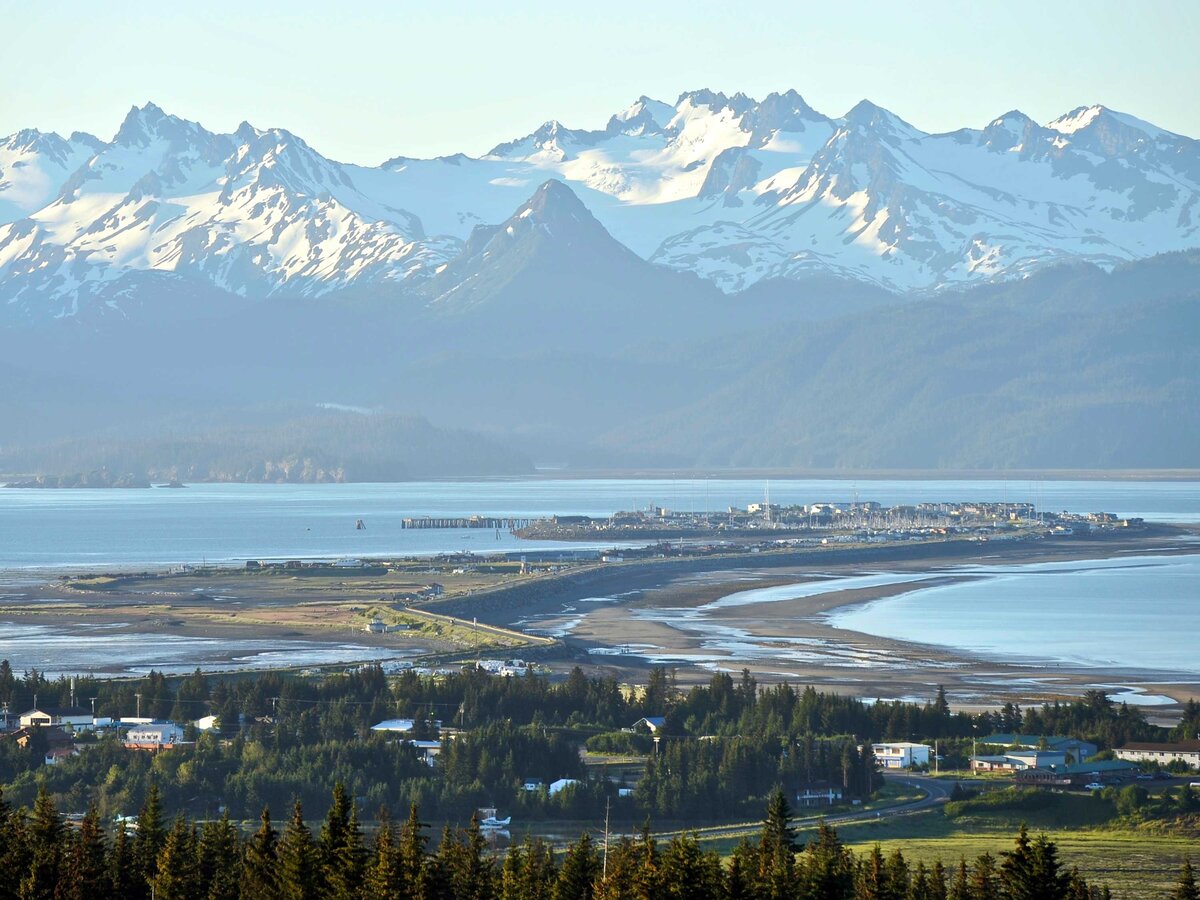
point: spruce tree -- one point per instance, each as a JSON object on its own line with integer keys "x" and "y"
{"x": 299, "y": 867}
{"x": 647, "y": 876}
{"x": 960, "y": 888}
{"x": 122, "y": 874}
{"x": 937, "y": 882}
{"x": 580, "y": 870}
{"x": 985, "y": 881}
{"x": 412, "y": 856}
{"x": 220, "y": 860}
{"x": 260, "y": 861}
{"x": 148, "y": 842}
{"x": 918, "y": 888}
{"x": 472, "y": 871}
{"x": 341, "y": 849}
{"x": 46, "y": 839}
{"x": 828, "y": 866}
{"x": 382, "y": 878}
{"x": 689, "y": 873}
{"x": 776, "y": 876}
{"x": 178, "y": 870}
{"x": 1186, "y": 889}
{"x": 87, "y": 876}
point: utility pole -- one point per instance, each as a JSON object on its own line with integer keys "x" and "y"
{"x": 604, "y": 869}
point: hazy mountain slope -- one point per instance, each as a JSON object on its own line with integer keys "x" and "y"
{"x": 728, "y": 188}
{"x": 1074, "y": 367}
{"x": 324, "y": 446}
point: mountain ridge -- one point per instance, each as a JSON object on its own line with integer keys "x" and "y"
{"x": 725, "y": 187}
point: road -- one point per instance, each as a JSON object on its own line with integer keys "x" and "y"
{"x": 936, "y": 792}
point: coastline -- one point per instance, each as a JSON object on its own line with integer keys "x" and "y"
{"x": 638, "y": 613}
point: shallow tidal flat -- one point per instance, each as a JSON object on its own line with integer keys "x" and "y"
{"x": 788, "y": 623}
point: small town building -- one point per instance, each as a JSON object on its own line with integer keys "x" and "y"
{"x": 1105, "y": 771}
{"x": 814, "y": 795}
{"x": 532, "y": 785}
{"x": 396, "y": 725}
{"x": 561, "y": 785}
{"x": 208, "y": 723}
{"x": 53, "y": 735}
{"x": 653, "y": 724}
{"x": 55, "y": 755}
{"x": 1187, "y": 752}
{"x": 70, "y": 717}
{"x": 1079, "y": 750}
{"x": 156, "y": 736}
{"x": 901, "y": 754}
{"x": 1019, "y": 760}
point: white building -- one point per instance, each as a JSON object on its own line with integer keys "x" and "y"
{"x": 1187, "y": 752}
{"x": 561, "y": 785}
{"x": 901, "y": 755}
{"x": 72, "y": 718}
{"x": 154, "y": 737}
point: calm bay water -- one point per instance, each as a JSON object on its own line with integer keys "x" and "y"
{"x": 230, "y": 522}
{"x": 1137, "y": 612}
{"x": 1130, "y": 613}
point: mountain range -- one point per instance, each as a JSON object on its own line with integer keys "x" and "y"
{"x": 735, "y": 191}
{"x": 722, "y": 282}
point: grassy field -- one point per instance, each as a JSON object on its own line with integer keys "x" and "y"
{"x": 1133, "y": 863}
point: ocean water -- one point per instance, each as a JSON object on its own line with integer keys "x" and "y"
{"x": 232, "y": 522}
{"x": 1138, "y": 612}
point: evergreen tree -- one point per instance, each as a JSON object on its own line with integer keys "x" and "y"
{"x": 412, "y": 857}
{"x": 1186, "y": 889}
{"x": 529, "y": 872}
{"x": 960, "y": 888}
{"x": 689, "y": 873}
{"x": 647, "y": 875}
{"x": 148, "y": 842}
{"x": 937, "y": 882}
{"x": 13, "y": 847}
{"x": 382, "y": 878}
{"x": 87, "y": 876}
{"x": 299, "y": 867}
{"x": 260, "y": 859}
{"x": 580, "y": 870}
{"x": 472, "y": 871}
{"x": 341, "y": 849}
{"x": 178, "y": 869}
{"x": 828, "y": 869}
{"x": 220, "y": 860}
{"x": 122, "y": 874}
{"x": 776, "y": 874}
{"x": 918, "y": 888}
{"x": 737, "y": 884}
{"x": 874, "y": 878}
{"x": 897, "y": 874}
{"x": 45, "y": 835}
{"x": 985, "y": 880}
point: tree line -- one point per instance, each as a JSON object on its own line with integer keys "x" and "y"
{"x": 45, "y": 857}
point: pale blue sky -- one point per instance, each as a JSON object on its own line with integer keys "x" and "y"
{"x": 363, "y": 81}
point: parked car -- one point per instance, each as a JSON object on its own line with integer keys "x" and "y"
{"x": 1094, "y": 786}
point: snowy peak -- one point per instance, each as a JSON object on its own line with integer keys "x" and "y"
{"x": 643, "y": 116}
{"x": 145, "y": 125}
{"x": 887, "y": 125}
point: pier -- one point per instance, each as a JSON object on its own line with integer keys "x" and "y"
{"x": 493, "y": 522}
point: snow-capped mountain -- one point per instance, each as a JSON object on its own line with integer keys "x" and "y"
{"x": 729, "y": 188}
